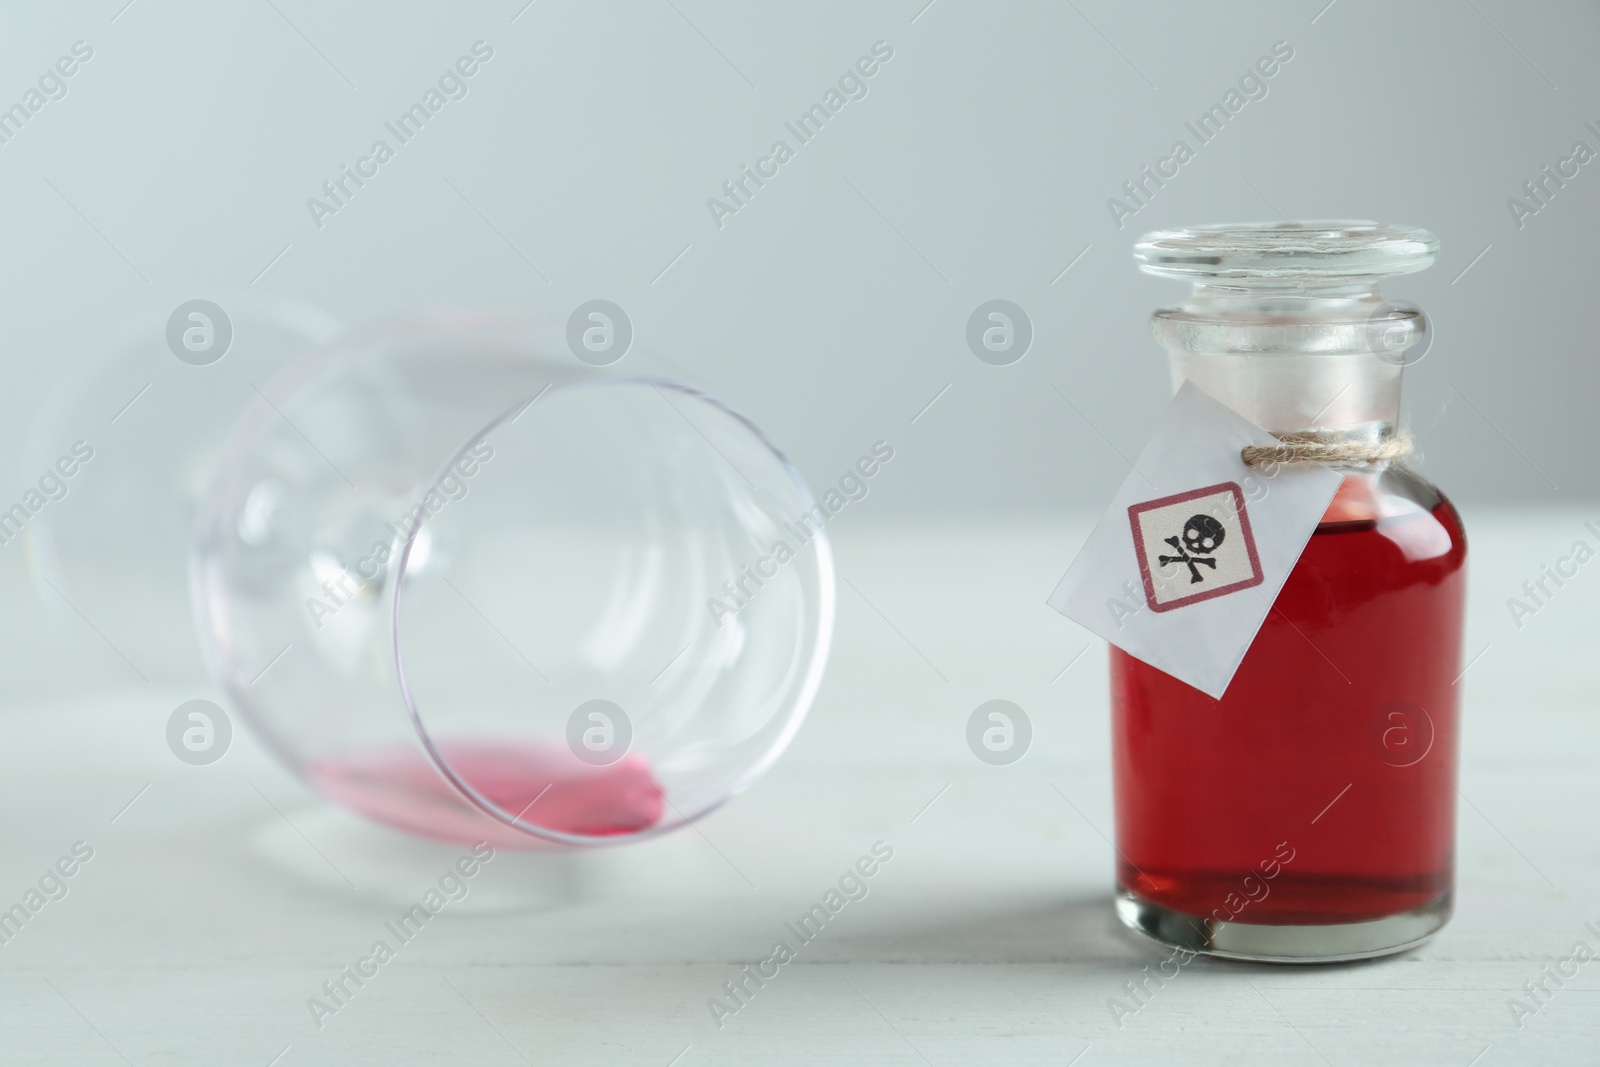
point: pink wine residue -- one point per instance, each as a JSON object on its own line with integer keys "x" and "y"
{"x": 400, "y": 786}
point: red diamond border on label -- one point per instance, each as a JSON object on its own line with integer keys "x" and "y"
{"x": 1135, "y": 510}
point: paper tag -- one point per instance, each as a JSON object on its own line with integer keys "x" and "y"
{"x": 1182, "y": 569}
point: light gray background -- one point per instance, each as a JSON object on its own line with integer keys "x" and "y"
{"x": 833, "y": 308}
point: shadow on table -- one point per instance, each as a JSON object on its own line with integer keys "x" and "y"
{"x": 323, "y": 848}
{"x": 1073, "y": 928}
{"x": 329, "y": 851}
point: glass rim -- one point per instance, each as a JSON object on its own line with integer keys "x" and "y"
{"x": 805, "y": 696}
{"x": 1336, "y": 250}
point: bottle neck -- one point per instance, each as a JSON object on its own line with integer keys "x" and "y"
{"x": 1320, "y": 363}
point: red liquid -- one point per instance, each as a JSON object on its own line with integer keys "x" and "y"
{"x": 1207, "y": 790}
{"x": 553, "y": 789}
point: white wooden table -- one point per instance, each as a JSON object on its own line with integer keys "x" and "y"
{"x": 222, "y": 897}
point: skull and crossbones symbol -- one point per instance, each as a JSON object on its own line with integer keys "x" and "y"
{"x": 1202, "y": 536}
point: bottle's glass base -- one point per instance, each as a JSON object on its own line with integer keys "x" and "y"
{"x": 1329, "y": 943}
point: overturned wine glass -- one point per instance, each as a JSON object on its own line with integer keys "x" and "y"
{"x": 474, "y": 586}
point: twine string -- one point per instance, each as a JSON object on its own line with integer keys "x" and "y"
{"x": 1308, "y": 450}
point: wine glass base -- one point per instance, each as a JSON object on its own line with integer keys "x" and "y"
{"x": 1262, "y": 943}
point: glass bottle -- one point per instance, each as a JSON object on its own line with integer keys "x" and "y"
{"x": 1308, "y": 815}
